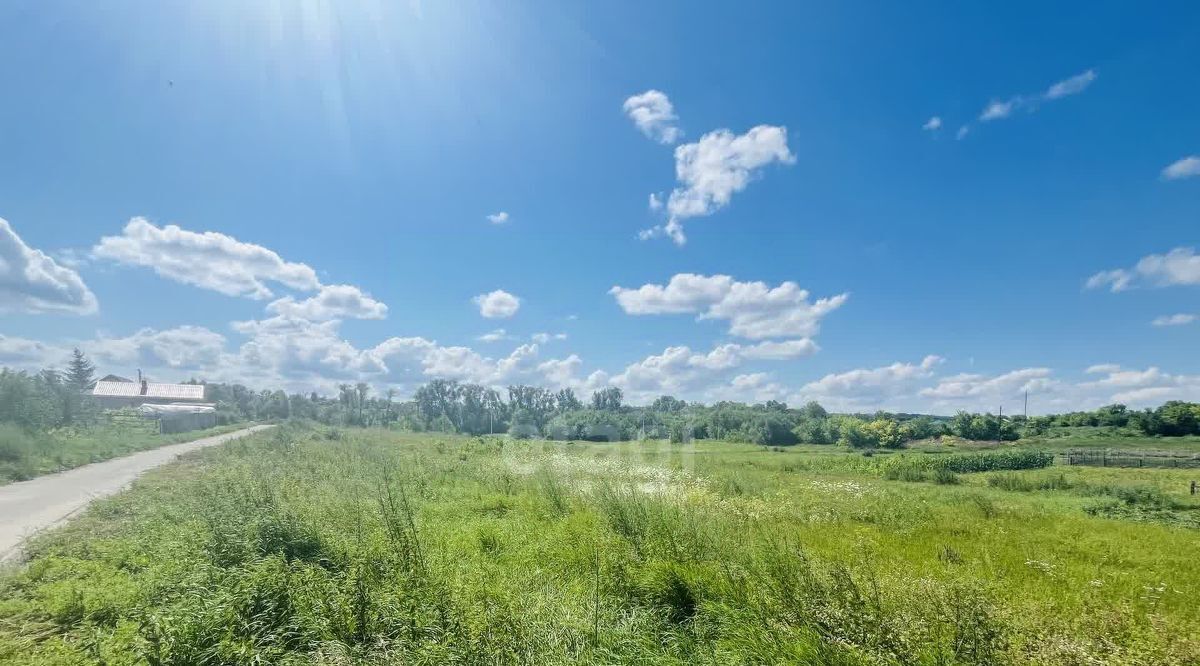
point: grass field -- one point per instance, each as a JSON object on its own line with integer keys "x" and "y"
{"x": 25, "y": 455}
{"x": 315, "y": 546}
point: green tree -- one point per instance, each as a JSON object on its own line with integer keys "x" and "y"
{"x": 608, "y": 399}
{"x": 81, "y": 372}
{"x": 565, "y": 401}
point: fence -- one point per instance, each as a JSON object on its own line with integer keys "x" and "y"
{"x": 1111, "y": 458}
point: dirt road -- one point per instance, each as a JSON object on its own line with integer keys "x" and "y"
{"x": 27, "y": 507}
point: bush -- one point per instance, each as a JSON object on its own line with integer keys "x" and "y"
{"x": 945, "y": 477}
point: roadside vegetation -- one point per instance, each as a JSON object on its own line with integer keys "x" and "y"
{"x": 49, "y": 424}
{"x": 311, "y": 544}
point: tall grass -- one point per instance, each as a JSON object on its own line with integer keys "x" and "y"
{"x": 25, "y": 455}
{"x": 377, "y": 548}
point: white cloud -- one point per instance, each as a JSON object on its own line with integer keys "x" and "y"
{"x": 495, "y": 335}
{"x": 1137, "y": 388}
{"x": 779, "y": 351}
{"x": 754, "y": 310}
{"x": 335, "y": 301}
{"x": 498, "y": 218}
{"x": 181, "y": 348}
{"x": 679, "y": 370}
{"x": 868, "y": 388}
{"x": 975, "y": 391}
{"x": 30, "y": 281}
{"x": 934, "y": 123}
{"x": 653, "y": 114}
{"x": 716, "y": 167}
{"x": 498, "y": 304}
{"x": 543, "y": 338}
{"x": 1174, "y": 320}
{"x": 962, "y": 132}
{"x": 999, "y": 109}
{"x": 28, "y": 354}
{"x": 1072, "y": 86}
{"x": 209, "y": 260}
{"x": 1186, "y": 167}
{"x": 756, "y": 387}
{"x": 560, "y": 372}
{"x": 656, "y": 202}
{"x": 1118, "y": 278}
{"x": 1180, "y": 266}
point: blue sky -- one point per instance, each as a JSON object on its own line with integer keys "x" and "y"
{"x": 364, "y": 144}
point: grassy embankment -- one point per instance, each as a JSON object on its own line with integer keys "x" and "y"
{"x": 375, "y": 547}
{"x": 25, "y": 455}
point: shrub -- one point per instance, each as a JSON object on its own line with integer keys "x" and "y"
{"x": 945, "y": 477}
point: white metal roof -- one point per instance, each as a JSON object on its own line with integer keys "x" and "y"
{"x": 161, "y": 391}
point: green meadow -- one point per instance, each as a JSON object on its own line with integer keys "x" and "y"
{"x": 313, "y": 545}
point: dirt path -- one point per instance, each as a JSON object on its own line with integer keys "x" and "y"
{"x": 27, "y": 507}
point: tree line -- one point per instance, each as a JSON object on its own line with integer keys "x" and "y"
{"x": 51, "y": 399}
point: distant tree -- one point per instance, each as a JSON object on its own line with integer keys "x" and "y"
{"x": 72, "y": 388}
{"x": 667, "y": 404}
{"x": 813, "y": 410}
{"x": 815, "y": 431}
{"x": 883, "y": 432}
{"x": 921, "y": 427}
{"x": 361, "y": 390}
{"x": 566, "y": 401}
{"x": 1177, "y": 418}
{"x": 81, "y": 372}
{"x": 608, "y": 399}
{"x": 535, "y": 403}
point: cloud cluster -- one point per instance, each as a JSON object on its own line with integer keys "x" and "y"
{"x": 1180, "y": 266}
{"x": 754, "y": 310}
{"x": 224, "y": 264}
{"x": 680, "y": 370}
{"x": 865, "y": 388}
{"x": 31, "y": 281}
{"x": 209, "y": 260}
{"x": 710, "y": 171}
{"x": 999, "y": 109}
{"x": 334, "y": 301}
{"x": 917, "y": 387}
{"x": 713, "y": 169}
{"x": 654, "y": 115}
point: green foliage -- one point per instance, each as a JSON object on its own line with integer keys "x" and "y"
{"x": 987, "y": 461}
{"x": 884, "y": 433}
{"x": 380, "y": 547}
{"x": 982, "y": 427}
{"x": 608, "y": 399}
{"x": 25, "y": 454}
